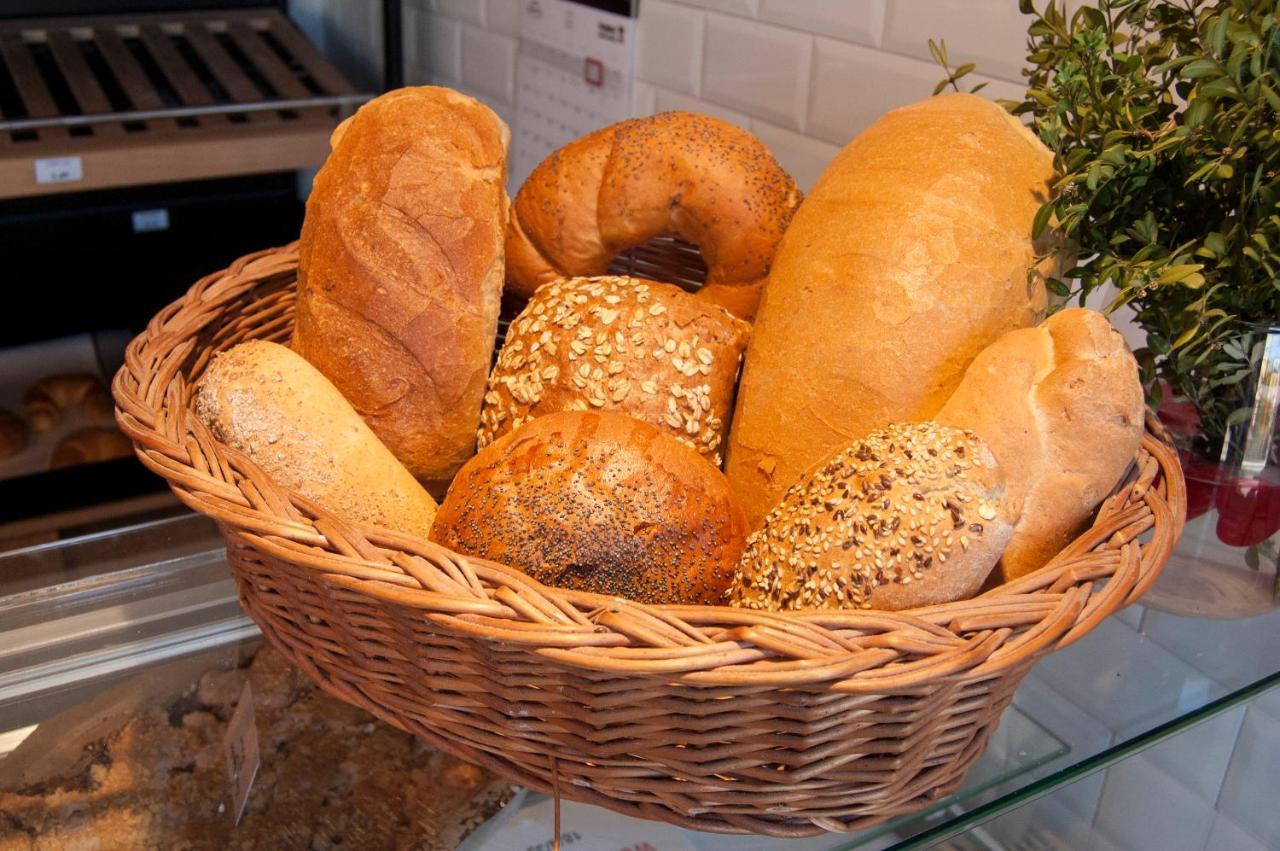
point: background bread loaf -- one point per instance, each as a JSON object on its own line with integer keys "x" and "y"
{"x": 619, "y": 344}
{"x": 912, "y": 515}
{"x": 400, "y": 269}
{"x": 44, "y": 401}
{"x": 598, "y": 502}
{"x": 1062, "y": 409}
{"x": 268, "y": 403}
{"x": 680, "y": 173}
{"x": 909, "y": 256}
{"x": 89, "y": 445}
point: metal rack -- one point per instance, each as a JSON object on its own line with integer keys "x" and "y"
{"x": 90, "y": 103}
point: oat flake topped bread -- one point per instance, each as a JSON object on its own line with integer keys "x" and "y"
{"x": 912, "y": 515}
{"x": 641, "y": 348}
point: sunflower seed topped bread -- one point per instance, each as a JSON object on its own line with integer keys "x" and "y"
{"x": 641, "y": 348}
{"x": 679, "y": 173}
{"x": 912, "y": 515}
{"x": 908, "y": 257}
{"x": 598, "y": 501}
{"x": 265, "y": 401}
{"x": 400, "y": 268}
{"x": 1062, "y": 408}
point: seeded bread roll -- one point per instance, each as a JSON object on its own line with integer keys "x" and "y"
{"x": 912, "y": 515}
{"x": 598, "y": 502}
{"x": 400, "y": 270}
{"x": 645, "y": 349}
{"x": 680, "y": 173}
{"x": 1061, "y": 407}
{"x": 266, "y": 401}
{"x": 909, "y": 257}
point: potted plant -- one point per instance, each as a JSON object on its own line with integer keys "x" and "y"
{"x": 1164, "y": 120}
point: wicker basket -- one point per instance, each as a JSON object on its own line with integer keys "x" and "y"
{"x": 712, "y": 718}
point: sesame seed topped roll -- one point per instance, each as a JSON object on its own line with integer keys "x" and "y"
{"x": 912, "y": 515}
{"x": 641, "y": 348}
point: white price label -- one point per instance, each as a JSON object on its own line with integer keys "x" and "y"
{"x": 242, "y": 752}
{"x": 59, "y": 170}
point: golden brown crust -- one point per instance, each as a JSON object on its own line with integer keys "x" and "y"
{"x": 912, "y": 515}
{"x": 264, "y": 400}
{"x": 598, "y": 502}
{"x": 1061, "y": 407}
{"x": 645, "y": 349}
{"x": 909, "y": 256}
{"x": 693, "y": 176}
{"x": 90, "y": 445}
{"x": 13, "y": 434}
{"x": 400, "y": 269}
{"x": 44, "y": 401}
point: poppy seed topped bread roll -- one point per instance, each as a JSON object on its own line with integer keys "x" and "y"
{"x": 909, "y": 256}
{"x": 598, "y": 502}
{"x": 621, "y": 344}
{"x": 912, "y": 515}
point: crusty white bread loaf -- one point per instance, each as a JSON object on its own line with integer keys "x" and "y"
{"x": 909, "y": 256}
{"x": 680, "y": 173}
{"x": 912, "y": 515}
{"x": 267, "y": 402}
{"x": 645, "y": 349}
{"x": 601, "y": 502}
{"x": 400, "y": 269}
{"x": 1062, "y": 409}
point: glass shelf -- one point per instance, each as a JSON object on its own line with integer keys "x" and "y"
{"x": 78, "y": 617}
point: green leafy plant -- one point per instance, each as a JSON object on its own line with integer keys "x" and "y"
{"x": 1163, "y": 119}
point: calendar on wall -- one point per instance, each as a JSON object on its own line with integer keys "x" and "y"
{"x": 574, "y": 74}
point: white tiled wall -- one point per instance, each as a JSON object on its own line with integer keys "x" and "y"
{"x": 804, "y": 75}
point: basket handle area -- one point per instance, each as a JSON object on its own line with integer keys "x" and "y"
{"x": 854, "y": 651}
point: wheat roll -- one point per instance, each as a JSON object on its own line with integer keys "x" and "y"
{"x": 400, "y": 268}
{"x": 912, "y": 515}
{"x": 598, "y": 502}
{"x": 1062, "y": 408}
{"x": 909, "y": 256}
{"x": 267, "y": 402}
{"x": 641, "y": 348}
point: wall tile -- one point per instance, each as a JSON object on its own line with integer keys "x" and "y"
{"x": 995, "y": 89}
{"x": 747, "y": 8}
{"x": 992, "y": 33}
{"x": 1131, "y": 616}
{"x": 804, "y": 157}
{"x": 433, "y": 42}
{"x": 1249, "y": 793}
{"x": 670, "y": 49}
{"x": 642, "y": 99}
{"x": 853, "y": 86}
{"x": 1083, "y": 733}
{"x": 852, "y": 20}
{"x": 468, "y": 11}
{"x": 503, "y": 16}
{"x": 489, "y": 63}
{"x": 757, "y": 68}
{"x": 1229, "y": 836}
{"x": 1142, "y": 807}
{"x": 665, "y": 100}
{"x": 1046, "y": 824}
{"x": 1234, "y": 652}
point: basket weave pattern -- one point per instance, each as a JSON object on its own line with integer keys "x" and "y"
{"x": 713, "y": 718}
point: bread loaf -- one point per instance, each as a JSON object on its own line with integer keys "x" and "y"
{"x": 598, "y": 502}
{"x": 1061, "y": 407}
{"x": 618, "y": 344}
{"x": 13, "y": 434}
{"x": 678, "y": 173}
{"x": 268, "y": 403}
{"x": 400, "y": 269}
{"x": 912, "y": 515}
{"x": 44, "y": 402}
{"x": 90, "y": 445}
{"x": 909, "y": 256}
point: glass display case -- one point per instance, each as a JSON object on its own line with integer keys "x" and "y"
{"x": 101, "y": 632}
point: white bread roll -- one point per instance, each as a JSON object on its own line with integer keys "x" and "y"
{"x": 1061, "y": 407}
{"x": 912, "y": 515}
{"x": 266, "y": 401}
{"x": 908, "y": 258}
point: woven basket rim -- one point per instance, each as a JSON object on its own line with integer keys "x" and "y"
{"x": 851, "y": 651}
